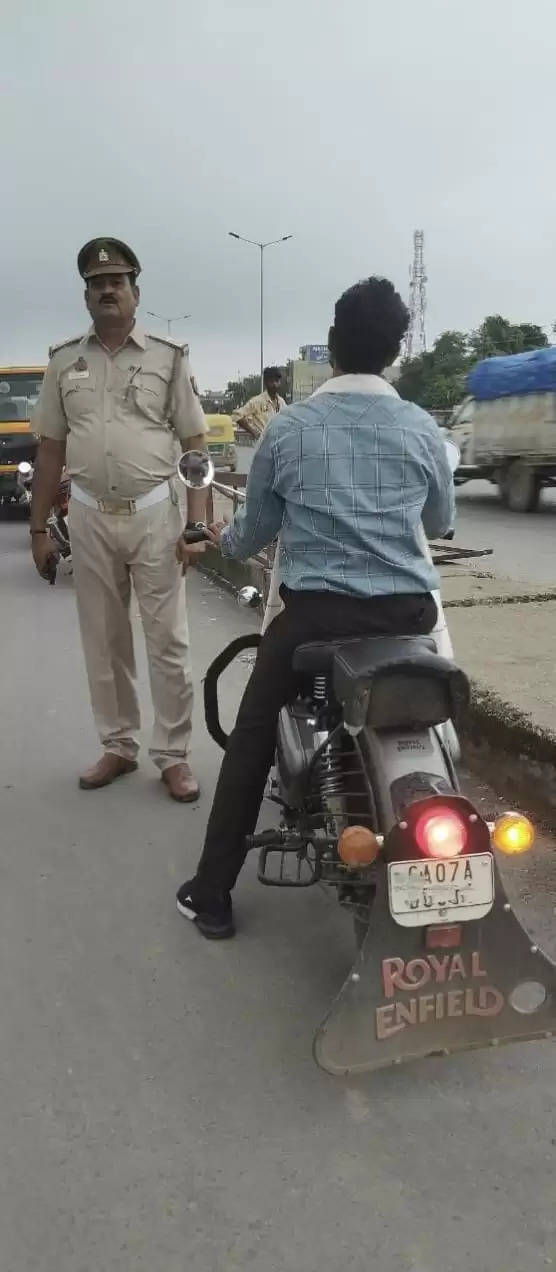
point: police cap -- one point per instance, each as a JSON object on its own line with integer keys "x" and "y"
{"x": 107, "y": 256}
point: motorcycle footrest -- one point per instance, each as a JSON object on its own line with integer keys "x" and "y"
{"x": 282, "y": 867}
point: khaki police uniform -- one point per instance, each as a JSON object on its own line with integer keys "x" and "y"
{"x": 120, "y": 414}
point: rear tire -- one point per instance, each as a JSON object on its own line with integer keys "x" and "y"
{"x": 520, "y": 487}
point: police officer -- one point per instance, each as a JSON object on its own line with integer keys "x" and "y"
{"x": 111, "y": 406}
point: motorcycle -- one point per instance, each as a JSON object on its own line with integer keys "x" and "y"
{"x": 370, "y": 805}
{"x": 15, "y": 485}
{"x": 23, "y": 483}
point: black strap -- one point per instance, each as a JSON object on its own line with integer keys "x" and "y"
{"x": 221, "y": 662}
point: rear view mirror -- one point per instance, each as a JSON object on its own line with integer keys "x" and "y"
{"x": 196, "y": 469}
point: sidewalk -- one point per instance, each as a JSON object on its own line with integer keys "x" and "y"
{"x": 503, "y": 635}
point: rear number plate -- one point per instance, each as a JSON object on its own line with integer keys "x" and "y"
{"x": 431, "y": 891}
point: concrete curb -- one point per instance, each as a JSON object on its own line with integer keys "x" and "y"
{"x": 498, "y": 740}
{"x": 517, "y": 598}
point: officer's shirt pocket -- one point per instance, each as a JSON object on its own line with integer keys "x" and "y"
{"x": 148, "y": 394}
{"x": 78, "y": 395}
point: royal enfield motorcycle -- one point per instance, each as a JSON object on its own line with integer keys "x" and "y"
{"x": 369, "y": 804}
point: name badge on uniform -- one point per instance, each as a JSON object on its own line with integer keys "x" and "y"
{"x": 78, "y": 375}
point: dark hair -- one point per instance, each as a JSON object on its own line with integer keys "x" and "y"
{"x": 271, "y": 373}
{"x": 370, "y": 321}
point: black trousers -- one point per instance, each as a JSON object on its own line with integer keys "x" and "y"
{"x": 250, "y": 751}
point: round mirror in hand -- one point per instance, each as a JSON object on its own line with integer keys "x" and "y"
{"x": 196, "y": 469}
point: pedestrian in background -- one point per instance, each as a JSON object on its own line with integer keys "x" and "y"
{"x": 256, "y": 413}
{"x": 111, "y": 406}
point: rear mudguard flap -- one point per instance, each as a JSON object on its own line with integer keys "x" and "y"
{"x": 403, "y": 1001}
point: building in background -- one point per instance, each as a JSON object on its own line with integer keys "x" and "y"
{"x": 312, "y": 368}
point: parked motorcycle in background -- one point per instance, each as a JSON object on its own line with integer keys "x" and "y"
{"x": 24, "y": 480}
{"x": 370, "y": 805}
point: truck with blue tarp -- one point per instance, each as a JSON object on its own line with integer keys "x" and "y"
{"x": 506, "y": 426}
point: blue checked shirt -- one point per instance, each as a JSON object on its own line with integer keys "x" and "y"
{"x": 346, "y": 478}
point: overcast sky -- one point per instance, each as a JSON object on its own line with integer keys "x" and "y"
{"x": 345, "y": 124}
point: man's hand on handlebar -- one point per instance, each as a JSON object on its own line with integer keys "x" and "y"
{"x": 194, "y": 540}
{"x": 214, "y": 532}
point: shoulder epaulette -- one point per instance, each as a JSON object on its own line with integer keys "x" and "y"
{"x": 174, "y": 344}
{"x": 61, "y": 344}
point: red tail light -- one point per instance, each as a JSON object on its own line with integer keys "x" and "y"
{"x": 441, "y": 832}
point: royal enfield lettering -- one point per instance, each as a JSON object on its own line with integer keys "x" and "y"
{"x": 385, "y": 1026}
{"x": 489, "y": 1001}
{"x": 418, "y": 972}
{"x": 456, "y": 1002}
{"x": 392, "y": 1018}
{"x": 427, "y": 1007}
{"x": 439, "y": 967}
{"x": 457, "y": 968}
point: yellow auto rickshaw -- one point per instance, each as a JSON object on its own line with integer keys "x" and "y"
{"x": 221, "y": 441}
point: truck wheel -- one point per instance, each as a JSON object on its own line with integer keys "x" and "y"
{"x": 520, "y": 488}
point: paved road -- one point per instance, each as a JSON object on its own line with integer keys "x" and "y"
{"x": 523, "y": 544}
{"x": 160, "y": 1109}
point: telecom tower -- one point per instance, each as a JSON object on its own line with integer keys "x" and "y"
{"x": 416, "y": 340}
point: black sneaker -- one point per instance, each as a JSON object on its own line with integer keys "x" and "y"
{"x": 212, "y": 915}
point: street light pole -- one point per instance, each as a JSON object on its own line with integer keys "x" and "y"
{"x": 261, "y": 246}
{"x": 262, "y": 315}
{"x": 169, "y": 321}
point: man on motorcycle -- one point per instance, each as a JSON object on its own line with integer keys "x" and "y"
{"x": 346, "y": 478}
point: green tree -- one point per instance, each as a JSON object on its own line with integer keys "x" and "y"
{"x": 497, "y": 336}
{"x": 533, "y": 337}
{"x": 436, "y": 379}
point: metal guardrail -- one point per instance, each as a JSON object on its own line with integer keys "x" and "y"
{"x": 233, "y": 488}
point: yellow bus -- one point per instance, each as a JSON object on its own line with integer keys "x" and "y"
{"x": 19, "y": 390}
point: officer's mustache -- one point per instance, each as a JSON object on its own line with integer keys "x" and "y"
{"x": 107, "y": 296}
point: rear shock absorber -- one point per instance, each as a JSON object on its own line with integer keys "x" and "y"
{"x": 330, "y": 777}
{"x": 319, "y": 689}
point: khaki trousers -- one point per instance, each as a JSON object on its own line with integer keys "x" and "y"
{"x": 109, "y": 553}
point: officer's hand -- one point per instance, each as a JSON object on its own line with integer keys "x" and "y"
{"x": 186, "y": 553}
{"x": 45, "y": 555}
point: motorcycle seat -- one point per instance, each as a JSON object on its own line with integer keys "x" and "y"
{"x": 387, "y": 681}
{"x": 317, "y": 657}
